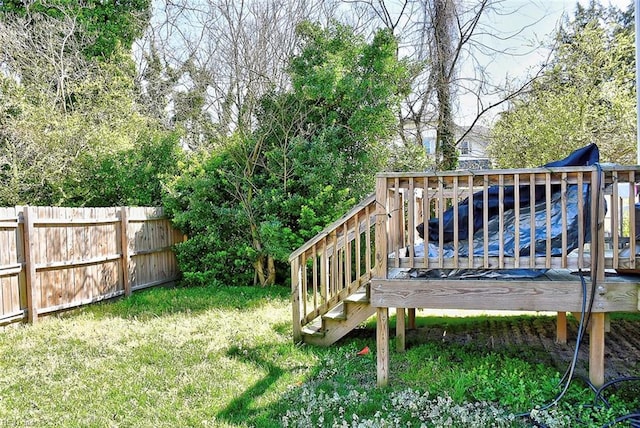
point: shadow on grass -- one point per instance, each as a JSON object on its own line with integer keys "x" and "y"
{"x": 288, "y": 368}
{"x": 161, "y": 301}
{"x": 272, "y": 359}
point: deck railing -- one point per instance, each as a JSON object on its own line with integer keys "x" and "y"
{"x": 622, "y": 218}
{"x": 380, "y": 233}
{"x": 409, "y": 199}
{"x": 592, "y": 212}
{"x": 332, "y": 265}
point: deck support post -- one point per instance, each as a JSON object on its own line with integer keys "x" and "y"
{"x": 596, "y": 349}
{"x": 400, "y": 330}
{"x": 382, "y": 345}
{"x": 295, "y": 300}
{"x": 412, "y": 318}
{"x": 561, "y": 328}
{"x": 382, "y": 313}
{"x": 598, "y": 319}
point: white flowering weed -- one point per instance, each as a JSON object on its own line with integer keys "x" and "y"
{"x": 327, "y": 401}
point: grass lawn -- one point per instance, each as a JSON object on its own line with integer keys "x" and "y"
{"x": 223, "y": 357}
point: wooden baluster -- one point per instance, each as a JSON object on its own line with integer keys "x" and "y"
{"x": 303, "y": 284}
{"x": 501, "y": 221}
{"x": 426, "y": 216}
{"x": 615, "y": 215}
{"x": 441, "y": 205}
{"x": 347, "y": 256}
{"x": 471, "y": 224}
{"x": 485, "y": 221}
{"x": 547, "y": 191}
{"x": 564, "y": 207}
{"x": 314, "y": 254}
{"x": 581, "y": 225}
{"x": 516, "y": 208}
{"x": 358, "y": 245}
{"x": 324, "y": 271}
{"x": 411, "y": 218}
{"x": 456, "y": 232}
{"x": 632, "y": 220}
{"x": 532, "y": 220}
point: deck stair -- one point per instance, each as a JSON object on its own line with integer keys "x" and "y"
{"x": 331, "y": 275}
{"x": 340, "y": 320}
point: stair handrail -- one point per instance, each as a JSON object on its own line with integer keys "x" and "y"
{"x": 333, "y": 226}
{"x": 329, "y": 255}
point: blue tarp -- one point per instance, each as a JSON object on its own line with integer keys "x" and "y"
{"x": 585, "y": 156}
{"x": 522, "y": 230}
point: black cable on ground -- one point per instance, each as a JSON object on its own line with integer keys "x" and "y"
{"x": 585, "y": 317}
{"x": 611, "y": 383}
{"x": 634, "y": 418}
{"x": 568, "y": 376}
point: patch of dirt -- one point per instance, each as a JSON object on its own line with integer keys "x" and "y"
{"x": 533, "y": 339}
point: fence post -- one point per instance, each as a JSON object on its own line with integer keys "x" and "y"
{"x": 30, "y": 266}
{"x": 124, "y": 227}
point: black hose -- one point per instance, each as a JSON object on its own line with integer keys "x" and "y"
{"x": 568, "y": 376}
{"x": 585, "y": 318}
{"x": 633, "y": 417}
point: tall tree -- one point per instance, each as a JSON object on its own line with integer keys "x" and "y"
{"x": 587, "y": 95}
{"x": 209, "y": 63}
{"x": 451, "y": 45}
{"x": 443, "y": 66}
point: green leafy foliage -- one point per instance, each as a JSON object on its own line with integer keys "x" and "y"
{"x": 131, "y": 177}
{"x": 586, "y": 95}
{"x": 315, "y": 152}
{"x": 109, "y": 24}
{"x": 97, "y": 149}
{"x": 72, "y": 132}
{"x": 217, "y": 250}
{"x": 349, "y": 91}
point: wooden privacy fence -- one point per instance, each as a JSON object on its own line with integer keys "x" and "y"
{"x": 57, "y": 258}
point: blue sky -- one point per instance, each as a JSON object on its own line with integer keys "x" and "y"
{"x": 533, "y": 21}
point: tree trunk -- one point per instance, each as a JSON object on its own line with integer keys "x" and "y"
{"x": 258, "y": 266}
{"x": 446, "y": 155}
{"x": 271, "y": 268}
{"x": 265, "y": 270}
{"x": 264, "y": 265}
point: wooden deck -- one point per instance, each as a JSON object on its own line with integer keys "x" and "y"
{"x": 597, "y": 236}
{"x": 554, "y": 291}
{"x": 558, "y": 291}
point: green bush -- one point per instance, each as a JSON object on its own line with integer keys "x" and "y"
{"x": 132, "y": 176}
{"x": 314, "y": 153}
